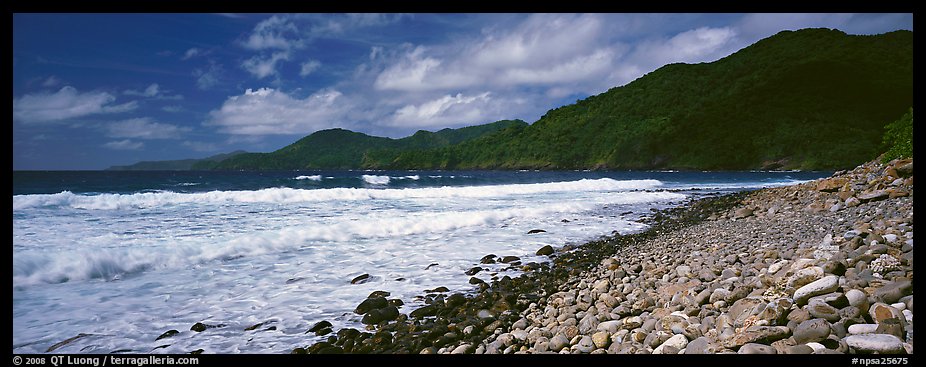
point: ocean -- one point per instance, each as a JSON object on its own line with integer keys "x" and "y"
{"x": 122, "y": 256}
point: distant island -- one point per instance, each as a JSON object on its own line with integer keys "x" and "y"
{"x": 174, "y": 165}
{"x": 813, "y": 99}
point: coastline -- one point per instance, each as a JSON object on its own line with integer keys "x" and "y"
{"x": 820, "y": 267}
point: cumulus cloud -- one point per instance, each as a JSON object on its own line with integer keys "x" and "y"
{"x": 267, "y": 111}
{"x": 544, "y": 49}
{"x": 124, "y": 145}
{"x": 264, "y": 67}
{"x": 696, "y": 45}
{"x": 455, "y": 110}
{"x": 65, "y": 104}
{"x": 144, "y": 128}
{"x": 416, "y": 72}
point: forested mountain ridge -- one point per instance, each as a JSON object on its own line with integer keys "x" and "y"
{"x": 813, "y": 99}
{"x": 808, "y": 99}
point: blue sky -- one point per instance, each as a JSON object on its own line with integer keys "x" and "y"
{"x": 95, "y": 90}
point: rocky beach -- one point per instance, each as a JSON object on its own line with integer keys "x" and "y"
{"x": 820, "y": 267}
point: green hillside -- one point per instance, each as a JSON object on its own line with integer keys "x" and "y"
{"x": 339, "y": 148}
{"x": 808, "y": 99}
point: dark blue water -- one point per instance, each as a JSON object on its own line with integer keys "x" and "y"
{"x": 124, "y": 182}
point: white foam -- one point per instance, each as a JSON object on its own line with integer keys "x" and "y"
{"x": 311, "y": 178}
{"x": 74, "y": 263}
{"x": 375, "y": 180}
{"x": 125, "y": 268}
{"x": 290, "y": 195}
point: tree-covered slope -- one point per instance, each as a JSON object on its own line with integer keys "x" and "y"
{"x": 339, "y": 148}
{"x": 808, "y": 99}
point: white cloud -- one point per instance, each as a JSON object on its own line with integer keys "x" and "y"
{"x": 172, "y": 108}
{"x": 309, "y": 67}
{"x": 267, "y": 111}
{"x": 262, "y": 67}
{"x": 151, "y": 91}
{"x": 191, "y": 53}
{"x": 544, "y": 49}
{"x": 144, "y": 128}
{"x": 276, "y": 32}
{"x": 124, "y": 145}
{"x": 64, "y": 104}
{"x": 52, "y": 81}
{"x": 200, "y": 146}
{"x": 208, "y": 78}
{"x": 696, "y": 45}
{"x": 445, "y": 111}
{"x": 580, "y": 68}
{"x": 415, "y": 72}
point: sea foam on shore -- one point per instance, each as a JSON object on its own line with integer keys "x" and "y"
{"x": 820, "y": 267}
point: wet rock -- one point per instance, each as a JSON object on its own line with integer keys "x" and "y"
{"x": 320, "y": 327}
{"x": 371, "y": 304}
{"x": 429, "y": 310}
{"x": 545, "y": 251}
{"x": 360, "y": 279}
{"x": 510, "y": 259}
{"x": 66, "y": 342}
{"x": 535, "y": 231}
{"x": 200, "y": 327}
{"x": 488, "y": 259}
{"x": 168, "y": 334}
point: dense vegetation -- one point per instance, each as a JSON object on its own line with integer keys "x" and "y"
{"x": 339, "y": 148}
{"x": 809, "y": 99}
{"x": 898, "y": 139}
